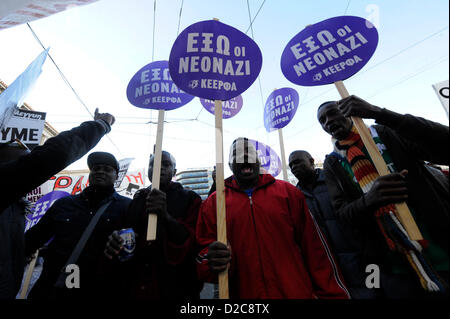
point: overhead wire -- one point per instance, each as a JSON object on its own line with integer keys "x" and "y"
{"x": 252, "y": 20}
{"x": 68, "y": 83}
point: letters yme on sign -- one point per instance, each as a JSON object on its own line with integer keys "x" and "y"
{"x": 280, "y": 108}
{"x": 26, "y": 126}
{"x": 152, "y": 88}
{"x": 268, "y": 158}
{"x": 329, "y": 51}
{"x": 42, "y": 205}
{"x": 215, "y": 61}
{"x": 229, "y": 108}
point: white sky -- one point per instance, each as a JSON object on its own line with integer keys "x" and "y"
{"x": 100, "y": 46}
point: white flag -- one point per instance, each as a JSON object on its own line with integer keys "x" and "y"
{"x": 15, "y": 94}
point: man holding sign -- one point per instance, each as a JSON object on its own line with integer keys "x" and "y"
{"x": 163, "y": 268}
{"x": 275, "y": 248}
{"x": 365, "y": 200}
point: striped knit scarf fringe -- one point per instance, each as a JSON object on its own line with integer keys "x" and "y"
{"x": 394, "y": 233}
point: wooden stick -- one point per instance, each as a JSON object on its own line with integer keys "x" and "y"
{"x": 283, "y": 156}
{"x": 153, "y": 218}
{"x": 220, "y": 196}
{"x": 29, "y": 273}
{"x": 404, "y": 215}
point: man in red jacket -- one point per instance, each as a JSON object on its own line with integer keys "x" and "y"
{"x": 275, "y": 248}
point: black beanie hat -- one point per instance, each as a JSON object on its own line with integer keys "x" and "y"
{"x": 102, "y": 158}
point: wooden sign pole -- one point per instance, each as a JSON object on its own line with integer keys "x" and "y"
{"x": 283, "y": 156}
{"x": 26, "y": 283}
{"x": 404, "y": 215}
{"x": 220, "y": 195}
{"x": 153, "y": 218}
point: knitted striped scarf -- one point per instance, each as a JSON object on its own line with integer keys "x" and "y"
{"x": 397, "y": 239}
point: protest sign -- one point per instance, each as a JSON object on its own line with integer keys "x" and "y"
{"x": 40, "y": 208}
{"x": 42, "y": 205}
{"x": 27, "y": 126}
{"x": 442, "y": 91}
{"x": 152, "y": 88}
{"x": 215, "y": 61}
{"x": 268, "y": 158}
{"x": 280, "y": 108}
{"x": 329, "y": 51}
{"x": 229, "y": 108}
{"x": 124, "y": 164}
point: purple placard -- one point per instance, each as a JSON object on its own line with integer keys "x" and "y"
{"x": 280, "y": 108}
{"x": 329, "y": 51}
{"x": 268, "y": 158}
{"x": 229, "y": 108}
{"x": 152, "y": 88}
{"x": 215, "y": 61}
{"x": 42, "y": 205}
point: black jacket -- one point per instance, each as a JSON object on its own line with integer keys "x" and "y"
{"x": 48, "y": 159}
{"x": 12, "y": 258}
{"x": 32, "y": 170}
{"x": 339, "y": 235}
{"x": 65, "y": 222}
{"x": 410, "y": 141}
{"x": 166, "y": 267}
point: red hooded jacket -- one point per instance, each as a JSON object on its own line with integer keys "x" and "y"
{"x": 277, "y": 248}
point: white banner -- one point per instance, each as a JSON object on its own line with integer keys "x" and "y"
{"x": 442, "y": 91}
{"x": 76, "y": 181}
{"x": 15, "y": 12}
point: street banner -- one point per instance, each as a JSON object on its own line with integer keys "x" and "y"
{"x": 16, "y": 12}
{"x": 442, "y": 92}
{"x": 215, "y": 61}
{"x": 14, "y": 95}
{"x": 229, "y": 108}
{"x": 280, "y": 108}
{"x": 329, "y": 51}
{"x": 152, "y": 88}
{"x": 27, "y": 126}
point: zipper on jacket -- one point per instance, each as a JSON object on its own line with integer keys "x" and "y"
{"x": 259, "y": 251}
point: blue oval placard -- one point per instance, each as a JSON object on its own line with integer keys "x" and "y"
{"x": 230, "y": 107}
{"x": 214, "y": 61}
{"x": 280, "y": 108}
{"x": 42, "y": 205}
{"x": 329, "y": 51}
{"x": 152, "y": 88}
{"x": 268, "y": 158}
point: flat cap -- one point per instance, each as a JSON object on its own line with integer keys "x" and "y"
{"x": 102, "y": 158}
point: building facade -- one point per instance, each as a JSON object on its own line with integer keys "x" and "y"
{"x": 197, "y": 179}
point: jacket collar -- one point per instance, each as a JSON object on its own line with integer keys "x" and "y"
{"x": 263, "y": 181}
